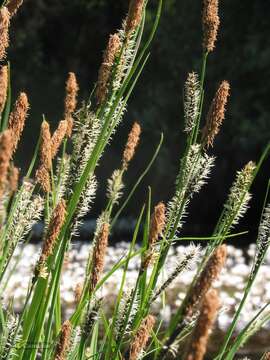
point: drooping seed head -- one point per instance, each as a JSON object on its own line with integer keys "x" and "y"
{"x": 134, "y": 15}
{"x": 17, "y": 118}
{"x": 3, "y": 87}
{"x": 109, "y": 56}
{"x": 200, "y": 335}
{"x": 4, "y": 31}
{"x": 141, "y": 337}
{"x": 216, "y": 114}
{"x": 131, "y": 145}
{"x": 13, "y": 6}
{"x": 210, "y": 22}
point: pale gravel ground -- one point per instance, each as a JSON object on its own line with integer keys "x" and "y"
{"x": 231, "y": 283}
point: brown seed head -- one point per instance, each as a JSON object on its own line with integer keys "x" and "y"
{"x": 141, "y": 337}
{"x": 199, "y": 338}
{"x": 132, "y": 143}
{"x": 99, "y": 254}
{"x": 64, "y": 341}
{"x": 78, "y": 292}
{"x": 104, "y": 74}
{"x": 13, "y": 179}
{"x": 13, "y": 6}
{"x": 267, "y": 356}
{"x": 210, "y": 22}
{"x": 54, "y": 228}
{"x": 4, "y": 31}
{"x": 205, "y": 280}
{"x": 58, "y": 137}
{"x": 216, "y": 114}
{"x": 72, "y": 89}
{"x": 157, "y": 223}
{"x": 135, "y": 13}
{"x": 17, "y": 118}
{"x": 5, "y": 156}
{"x": 43, "y": 178}
{"x": 3, "y": 87}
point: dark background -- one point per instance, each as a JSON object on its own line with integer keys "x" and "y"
{"x": 49, "y": 38}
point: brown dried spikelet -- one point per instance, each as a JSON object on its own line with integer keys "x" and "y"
{"x": 141, "y": 337}
{"x": 43, "y": 172}
{"x": 3, "y": 86}
{"x": 72, "y": 89}
{"x": 54, "y": 228}
{"x": 216, "y": 114}
{"x": 104, "y": 74}
{"x": 205, "y": 280}
{"x": 4, "y": 31}
{"x": 200, "y": 335}
{"x": 210, "y": 22}
{"x": 132, "y": 143}
{"x": 99, "y": 254}
{"x": 17, "y": 118}
{"x": 5, "y": 156}
{"x": 58, "y": 137}
{"x": 13, "y": 179}
{"x": 135, "y": 13}
{"x": 13, "y": 6}
{"x": 64, "y": 341}
{"x": 78, "y": 292}
{"x": 266, "y": 356}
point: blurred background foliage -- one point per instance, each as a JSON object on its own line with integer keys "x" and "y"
{"x": 50, "y": 38}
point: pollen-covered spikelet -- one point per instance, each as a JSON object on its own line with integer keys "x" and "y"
{"x": 109, "y": 56}
{"x": 54, "y": 228}
{"x": 5, "y": 156}
{"x": 17, "y": 118}
{"x": 199, "y": 338}
{"x": 78, "y": 292}
{"x": 58, "y": 137}
{"x": 72, "y": 89}
{"x": 132, "y": 143}
{"x": 13, "y": 6}
{"x": 43, "y": 172}
{"x": 157, "y": 225}
{"x": 99, "y": 253}
{"x": 64, "y": 341}
{"x": 210, "y": 21}
{"x": 3, "y": 86}
{"x": 141, "y": 337}
{"x": 205, "y": 279}
{"x": 13, "y": 178}
{"x": 216, "y": 114}
{"x": 4, "y": 31}
{"x": 134, "y": 15}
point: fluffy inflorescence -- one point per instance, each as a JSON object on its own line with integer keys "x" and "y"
{"x": 17, "y": 118}
{"x": 13, "y": 6}
{"x": 210, "y": 21}
{"x": 206, "y": 278}
{"x": 109, "y": 56}
{"x": 4, "y": 31}
{"x": 216, "y": 114}
{"x": 54, "y": 228}
{"x": 99, "y": 254}
{"x": 64, "y": 341}
{"x": 134, "y": 15}
{"x": 3, "y": 86}
{"x": 141, "y": 337}
{"x": 199, "y": 338}
{"x": 5, "y": 156}
{"x": 131, "y": 145}
{"x": 191, "y": 101}
{"x": 72, "y": 89}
